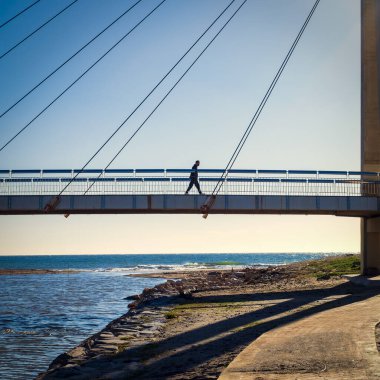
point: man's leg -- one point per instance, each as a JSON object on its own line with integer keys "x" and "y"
{"x": 190, "y": 186}
{"x": 196, "y": 183}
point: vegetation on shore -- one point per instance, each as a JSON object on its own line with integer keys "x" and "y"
{"x": 321, "y": 270}
{"x": 333, "y": 266}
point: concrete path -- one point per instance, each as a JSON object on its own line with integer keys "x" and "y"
{"x": 334, "y": 344}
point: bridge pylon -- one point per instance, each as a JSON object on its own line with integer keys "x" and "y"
{"x": 370, "y": 125}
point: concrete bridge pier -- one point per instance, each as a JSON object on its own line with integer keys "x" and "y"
{"x": 370, "y": 125}
{"x": 370, "y": 246}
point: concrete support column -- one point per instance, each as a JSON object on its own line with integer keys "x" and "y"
{"x": 370, "y": 124}
{"x": 370, "y": 258}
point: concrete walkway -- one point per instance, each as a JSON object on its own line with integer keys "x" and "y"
{"x": 334, "y": 344}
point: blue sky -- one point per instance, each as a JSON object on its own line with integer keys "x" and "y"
{"x": 312, "y": 120}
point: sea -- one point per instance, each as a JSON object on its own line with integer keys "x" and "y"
{"x": 44, "y": 315}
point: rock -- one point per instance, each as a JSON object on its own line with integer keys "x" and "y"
{"x": 125, "y": 331}
{"x": 114, "y": 341}
{"x": 102, "y": 351}
{"x": 152, "y": 325}
{"x": 107, "y": 347}
{"x": 148, "y": 312}
{"x": 60, "y": 361}
{"x": 186, "y": 294}
{"x": 77, "y": 351}
{"x": 147, "y": 291}
{"x": 161, "y": 287}
{"x": 147, "y": 332}
{"x": 134, "y": 297}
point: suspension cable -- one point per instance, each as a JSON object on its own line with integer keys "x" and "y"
{"x": 81, "y": 76}
{"x": 36, "y": 30}
{"x": 212, "y": 198}
{"x": 167, "y": 94}
{"x": 19, "y": 13}
{"x": 69, "y": 59}
{"x": 164, "y": 98}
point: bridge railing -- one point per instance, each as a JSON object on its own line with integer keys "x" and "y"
{"x": 175, "y": 181}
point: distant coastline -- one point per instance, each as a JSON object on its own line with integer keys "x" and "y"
{"x": 11, "y": 272}
{"x": 148, "y": 265}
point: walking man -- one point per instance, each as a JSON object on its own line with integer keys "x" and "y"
{"x": 194, "y": 178}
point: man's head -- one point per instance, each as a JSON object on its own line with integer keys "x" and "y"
{"x": 197, "y": 162}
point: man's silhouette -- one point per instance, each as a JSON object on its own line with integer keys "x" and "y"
{"x": 194, "y": 178}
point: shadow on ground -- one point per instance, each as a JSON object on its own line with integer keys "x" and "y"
{"x": 195, "y": 354}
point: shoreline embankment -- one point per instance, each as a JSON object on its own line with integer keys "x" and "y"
{"x": 193, "y": 326}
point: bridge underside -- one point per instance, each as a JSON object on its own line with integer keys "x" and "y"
{"x": 352, "y": 206}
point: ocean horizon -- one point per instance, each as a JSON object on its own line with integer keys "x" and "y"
{"x": 132, "y": 262}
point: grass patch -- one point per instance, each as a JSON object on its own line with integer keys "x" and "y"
{"x": 125, "y": 338}
{"x": 171, "y": 315}
{"x": 334, "y": 266}
{"x": 207, "y": 305}
{"x": 122, "y": 347}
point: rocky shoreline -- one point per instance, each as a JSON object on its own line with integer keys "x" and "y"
{"x": 124, "y": 346}
{"x": 132, "y": 330}
{"x": 147, "y": 315}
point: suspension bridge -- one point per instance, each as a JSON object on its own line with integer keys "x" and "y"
{"x": 162, "y": 191}
{"x": 227, "y": 190}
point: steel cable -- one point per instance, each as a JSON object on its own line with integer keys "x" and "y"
{"x": 167, "y": 94}
{"x": 81, "y": 76}
{"x": 171, "y": 89}
{"x": 19, "y": 13}
{"x": 69, "y": 59}
{"x": 211, "y": 200}
{"x": 163, "y": 99}
{"x": 36, "y": 30}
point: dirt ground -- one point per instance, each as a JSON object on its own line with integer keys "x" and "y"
{"x": 204, "y": 334}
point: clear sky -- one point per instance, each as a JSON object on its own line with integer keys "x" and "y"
{"x": 312, "y": 120}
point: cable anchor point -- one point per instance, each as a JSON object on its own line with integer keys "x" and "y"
{"x": 54, "y": 202}
{"x": 205, "y": 209}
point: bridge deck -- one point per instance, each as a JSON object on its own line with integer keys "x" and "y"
{"x": 190, "y": 204}
{"x": 161, "y": 191}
